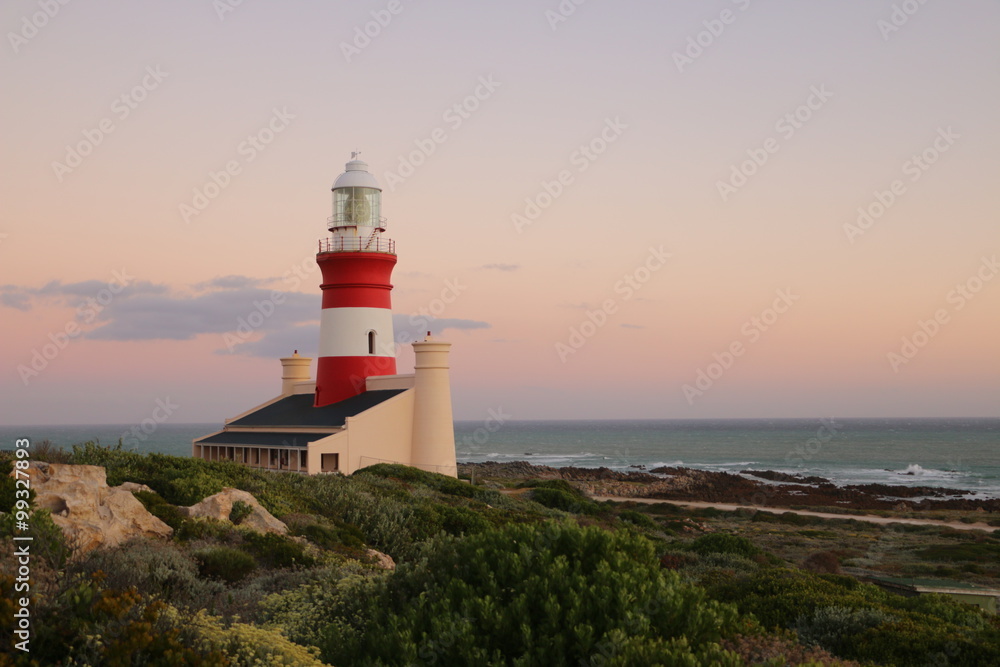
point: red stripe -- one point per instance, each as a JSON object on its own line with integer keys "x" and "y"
{"x": 338, "y": 378}
{"x": 356, "y": 279}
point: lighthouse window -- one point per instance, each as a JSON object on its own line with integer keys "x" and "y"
{"x": 371, "y": 342}
{"x": 354, "y": 206}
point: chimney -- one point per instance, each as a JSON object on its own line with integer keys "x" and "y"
{"x": 293, "y": 369}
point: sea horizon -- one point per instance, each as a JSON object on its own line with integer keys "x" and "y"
{"x": 954, "y": 452}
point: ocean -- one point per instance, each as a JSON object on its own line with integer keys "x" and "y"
{"x": 955, "y": 453}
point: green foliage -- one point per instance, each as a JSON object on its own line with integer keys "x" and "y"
{"x": 8, "y": 486}
{"x": 868, "y": 624}
{"x": 225, "y": 563}
{"x": 442, "y": 483}
{"x": 48, "y": 542}
{"x": 328, "y": 534}
{"x": 239, "y": 511}
{"x": 835, "y": 628}
{"x": 638, "y": 519}
{"x": 525, "y": 594}
{"x": 161, "y": 509}
{"x": 276, "y": 550}
{"x": 89, "y": 625}
{"x": 724, "y": 543}
{"x": 983, "y": 552}
{"x": 241, "y": 644}
{"x": 204, "y": 528}
{"x": 187, "y": 491}
{"x": 156, "y": 568}
{"x": 557, "y": 499}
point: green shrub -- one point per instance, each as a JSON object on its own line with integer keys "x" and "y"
{"x": 277, "y": 550}
{"x": 48, "y": 542}
{"x": 192, "y": 489}
{"x": 544, "y": 594}
{"x": 638, "y": 519}
{"x": 330, "y": 537}
{"x": 8, "y": 487}
{"x": 836, "y": 628}
{"x": 724, "y": 543}
{"x": 204, "y": 528}
{"x": 558, "y": 499}
{"x": 161, "y": 509}
{"x": 153, "y": 567}
{"x": 240, "y": 511}
{"x": 983, "y": 552}
{"x": 225, "y": 563}
{"x": 461, "y": 520}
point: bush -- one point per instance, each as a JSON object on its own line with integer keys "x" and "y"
{"x": 557, "y": 499}
{"x": 188, "y": 491}
{"x": 153, "y": 567}
{"x": 8, "y": 487}
{"x": 161, "y": 509}
{"x": 822, "y": 562}
{"x": 225, "y": 563}
{"x": 835, "y": 628}
{"x": 277, "y": 550}
{"x": 637, "y": 519}
{"x": 327, "y": 536}
{"x": 724, "y": 543}
{"x": 240, "y": 511}
{"x": 546, "y": 594}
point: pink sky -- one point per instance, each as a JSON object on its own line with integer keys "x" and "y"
{"x": 532, "y": 90}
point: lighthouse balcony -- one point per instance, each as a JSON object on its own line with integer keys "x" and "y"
{"x": 353, "y": 220}
{"x": 373, "y": 243}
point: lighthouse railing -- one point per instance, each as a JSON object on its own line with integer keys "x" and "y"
{"x": 341, "y": 244}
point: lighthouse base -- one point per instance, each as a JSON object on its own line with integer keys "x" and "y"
{"x": 343, "y": 377}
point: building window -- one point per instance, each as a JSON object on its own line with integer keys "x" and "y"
{"x": 371, "y": 342}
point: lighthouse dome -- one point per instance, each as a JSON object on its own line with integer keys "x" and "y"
{"x": 356, "y": 176}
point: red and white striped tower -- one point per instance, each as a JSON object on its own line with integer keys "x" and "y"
{"x": 355, "y": 336}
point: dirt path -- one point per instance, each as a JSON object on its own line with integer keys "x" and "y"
{"x": 824, "y": 515}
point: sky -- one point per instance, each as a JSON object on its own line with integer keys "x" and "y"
{"x": 639, "y": 209}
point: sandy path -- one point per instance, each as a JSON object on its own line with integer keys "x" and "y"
{"x": 825, "y": 515}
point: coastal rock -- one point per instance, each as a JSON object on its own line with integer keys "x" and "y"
{"x": 680, "y": 484}
{"x": 220, "y": 505}
{"x": 132, "y": 487}
{"x": 785, "y": 477}
{"x": 381, "y": 560}
{"x": 89, "y": 512}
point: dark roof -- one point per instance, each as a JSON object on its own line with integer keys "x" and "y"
{"x": 263, "y": 439}
{"x": 298, "y": 410}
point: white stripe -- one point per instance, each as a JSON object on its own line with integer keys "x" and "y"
{"x": 343, "y": 332}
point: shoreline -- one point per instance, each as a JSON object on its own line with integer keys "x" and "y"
{"x": 761, "y": 490}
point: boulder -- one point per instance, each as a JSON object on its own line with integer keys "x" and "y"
{"x": 220, "y": 506}
{"x": 89, "y": 512}
{"x": 132, "y": 487}
{"x": 381, "y": 560}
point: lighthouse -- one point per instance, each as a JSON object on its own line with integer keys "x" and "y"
{"x": 358, "y": 412}
{"x": 356, "y": 337}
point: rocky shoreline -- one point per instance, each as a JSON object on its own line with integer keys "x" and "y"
{"x": 749, "y": 488}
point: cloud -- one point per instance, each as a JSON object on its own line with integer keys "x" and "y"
{"x": 409, "y": 328}
{"x": 501, "y": 267}
{"x": 74, "y": 294}
{"x": 279, "y": 342}
{"x": 231, "y": 282}
{"x": 247, "y": 318}
{"x": 224, "y": 310}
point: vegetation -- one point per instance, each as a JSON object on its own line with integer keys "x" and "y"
{"x": 535, "y": 575}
